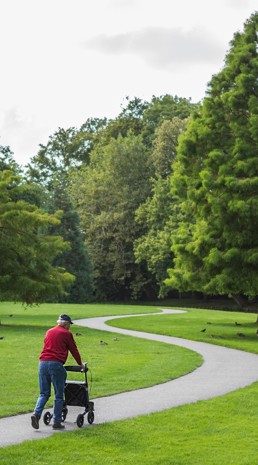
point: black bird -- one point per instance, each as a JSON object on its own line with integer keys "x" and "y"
{"x": 203, "y": 330}
{"x": 78, "y": 334}
{"x": 103, "y": 343}
{"x": 1, "y": 337}
{"x": 240, "y": 334}
{"x": 237, "y": 324}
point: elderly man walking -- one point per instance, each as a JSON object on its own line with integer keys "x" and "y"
{"x": 58, "y": 343}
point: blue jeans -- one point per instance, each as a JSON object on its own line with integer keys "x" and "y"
{"x": 55, "y": 373}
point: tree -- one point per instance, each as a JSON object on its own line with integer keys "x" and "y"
{"x": 142, "y": 117}
{"x": 216, "y": 180}
{"x": 7, "y": 161}
{"x": 54, "y": 159}
{"x": 160, "y": 213}
{"x": 107, "y": 193}
{"x": 51, "y": 167}
{"x": 95, "y": 162}
{"x": 76, "y": 259}
{"x": 66, "y": 149}
{"x": 26, "y": 248}
{"x": 130, "y": 119}
{"x": 164, "y": 108}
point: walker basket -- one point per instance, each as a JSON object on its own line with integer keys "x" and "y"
{"x": 76, "y": 394}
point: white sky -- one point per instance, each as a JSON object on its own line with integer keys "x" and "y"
{"x": 63, "y": 61}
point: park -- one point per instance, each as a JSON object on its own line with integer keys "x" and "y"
{"x": 143, "y": 228}
{"x": 203, "y": 432}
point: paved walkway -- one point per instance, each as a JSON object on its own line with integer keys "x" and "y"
{"x": 223, "y": 370}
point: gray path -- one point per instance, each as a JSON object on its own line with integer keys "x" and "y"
{"x": 222, "y": 371}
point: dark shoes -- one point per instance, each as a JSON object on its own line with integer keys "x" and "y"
{"x": 58, "y": 426}
{"x": 34, "y": 421}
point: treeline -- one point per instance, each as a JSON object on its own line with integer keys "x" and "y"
{"x": 163, "y": 199}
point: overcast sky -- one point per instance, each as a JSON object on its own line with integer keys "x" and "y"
{"x": 63, "y": 61}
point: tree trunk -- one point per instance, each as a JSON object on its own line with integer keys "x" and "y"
{"x": 239, "y": 301}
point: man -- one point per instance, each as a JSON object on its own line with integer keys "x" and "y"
{"x": 57, "y": 343}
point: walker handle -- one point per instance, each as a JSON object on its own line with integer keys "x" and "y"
{"x": 76, "y": 368}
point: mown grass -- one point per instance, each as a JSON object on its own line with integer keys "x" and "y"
{"x": 123, "y": 364}
{"x": 219, "y": 431}
{"x": 229, "y": 329}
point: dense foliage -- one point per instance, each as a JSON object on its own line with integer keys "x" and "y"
{"x": 161, "y": 199}
{"x": 216, "y": 180}
{"x": 160, "y": 212}
{"x": 105, "y": 169}
{"x": 75, "y": 259}
{"x": 26, "y": 248}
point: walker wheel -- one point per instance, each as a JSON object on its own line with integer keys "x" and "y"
{"x": 90, "y": 417}
{"x": 47, "y": 418}
{"x": 80, "y": 420}
{"x": 64, "y": 413}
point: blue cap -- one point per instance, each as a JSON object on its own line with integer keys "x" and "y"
{"x": 65, "y": 317}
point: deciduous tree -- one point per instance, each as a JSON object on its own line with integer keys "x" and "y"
{"x": 76, "y": 259}
{"x": 26, "y": 249}
{"x": 160, "y": 213}
{"x": 107, "y": 193}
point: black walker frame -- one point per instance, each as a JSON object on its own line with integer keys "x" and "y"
{"x": 75, "y": 394}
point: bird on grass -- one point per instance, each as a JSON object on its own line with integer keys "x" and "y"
{"x": 237, "y": 324}
{"x": 78, "y": 334}
{"x": 240, "y": 334}
{"x": 103, "y": 343}
{"x": 203, "y": 330}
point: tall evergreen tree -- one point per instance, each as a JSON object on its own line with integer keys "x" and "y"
{"x": 216, "y": 179}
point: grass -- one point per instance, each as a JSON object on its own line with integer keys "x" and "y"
{"x": 121, "y": 365}
{"x": 218, "y": 431}
{"x": 229, "y": 329}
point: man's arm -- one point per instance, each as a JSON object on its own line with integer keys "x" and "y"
{"x": 74, "y": 350}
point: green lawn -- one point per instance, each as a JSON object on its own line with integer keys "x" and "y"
{"x": 229, "y": 329}
{"x": 125, "y": 364}
{"x": 219, "y": 431}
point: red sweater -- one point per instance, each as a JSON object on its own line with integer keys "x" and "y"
{"x": 58, "y": 341}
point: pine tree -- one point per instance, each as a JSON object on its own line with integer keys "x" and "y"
{"x": 216, "y": 180}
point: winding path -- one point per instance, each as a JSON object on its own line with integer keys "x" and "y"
{"x": 223, "y": 370}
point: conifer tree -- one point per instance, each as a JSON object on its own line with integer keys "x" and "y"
{"x": 216, "y": 180}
